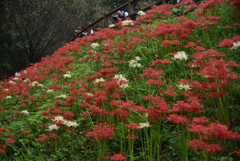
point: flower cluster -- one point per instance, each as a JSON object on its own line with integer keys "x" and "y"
{"x": 143, "y": 125}
{"x": 141, "y": 13}
{"x": 122, "y": 81}
{"x": 181, "y": 55}
{"x": 100, "y": 80}
{"x": 134, "y": 62}
{"x": 127, "y": 23}
{"x": 94, "y": 45}
{"x": 67, "y": 75}
{"x": 235, "y": 45}
{"x": 111, "y": 26}
{"x": 102, "y": 132}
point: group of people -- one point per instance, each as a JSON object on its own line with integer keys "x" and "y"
{"x": 79, "y": 33}
{"x": 121, "y": 15}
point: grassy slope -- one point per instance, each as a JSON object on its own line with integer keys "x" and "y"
{"x": 76, "y": 146}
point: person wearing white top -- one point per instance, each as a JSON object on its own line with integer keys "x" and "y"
{"x": 17, "y": 74}
{"x": 122, "y": 15}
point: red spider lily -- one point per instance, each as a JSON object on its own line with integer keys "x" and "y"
{"x": 54, "y": 136}
{"x": 220, "y": 94}
{"x": 156, "y": 115}
{"x": 99, "y": 97}
{"x": 68, "y": 114}
{"x": 2, "y": 129}
{"x": 106, "y": 64}
{"x": 100, "y": 133}
{"x": 85, "y": 113}
{"x": 215, "y": 130}
{"x": 96, "y": 111}
{"x": 199, "y": 145}
{"x": 208, "y": 4}
{"x": 4, "y": 146}
{"x": 121, "y": 114}
{"x": 205, "y": 28}
{"x": 10, "y": 141}
{"x": 132, "y": 126}
{"x": 103, "y": 122}
{"x": 58, "y": 101}
{"x": 131, "y": 137}
{"x": 170, "y": 92}
{"x": 236, "y": 38}
{"x": 73, "y": 46}
{"x": 226, "y": 43}
{"x": 151, "y": 73}
{"x": 111, "y": 86}
{"x": 232, "y": 64}
{"x": 118, "y": 157}
{"x": 167, "y": 43}
{"x": 2, "y": 151}
{"x": 216, "y": 70}
{"x": 26, "y": 132}
{"x": 213, "y": 17}
{"x": 84, "y": 104}
{"x": 117, "y": 95}
{"x": 227, "y": 27}
{"x": 32, "y": 98}
{"x": 127, "y": 105}
{"x": 192, "y": 106}
{"x": 190, "y": 45}
{"x": 196, "y": 85}
{"x": 42, "y": 138}
{"x": 108, "y": 48}
{"x": 236, "y": 24}
{"x": 94, "y": 76}
{"x": 39, "y": 104}
{"x": 10, "y": 134}
{"x": 83, "y": 59}
{"x": 183, "y": 81}
{"x": 160, "y": 61}
{"x": 199, "y": 48}
{"x": 177, "y": 119}
{"x": 137, "y": 40}
{"x": 45, "y": 113}
{"x": 17, "y": 112}
{"x": 139, "y": 109}
{"x": 116, "y": 102}
{"x": 122, "y": 62}
{"x": 106, "y": 71}
{"x": 157, "y": 101}
{"x": 43, "y": 95}
{"x": 71, "y": 99}
{"x": 200, "y": 121}
{"x": 189, "y": 24}
{"x": 154, "y": 82}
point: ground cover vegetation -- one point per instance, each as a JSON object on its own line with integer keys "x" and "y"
{"x": 163, "y": 87}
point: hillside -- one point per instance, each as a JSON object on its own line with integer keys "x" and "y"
{"x": 164, "y": 87}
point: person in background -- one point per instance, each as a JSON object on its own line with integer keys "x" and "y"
{"x": 17, "y": 74}
{"x": 78, "y": 33}
{"x": 121, "y": 15}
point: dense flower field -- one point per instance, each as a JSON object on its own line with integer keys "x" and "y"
{"x": 163, "y": 87}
